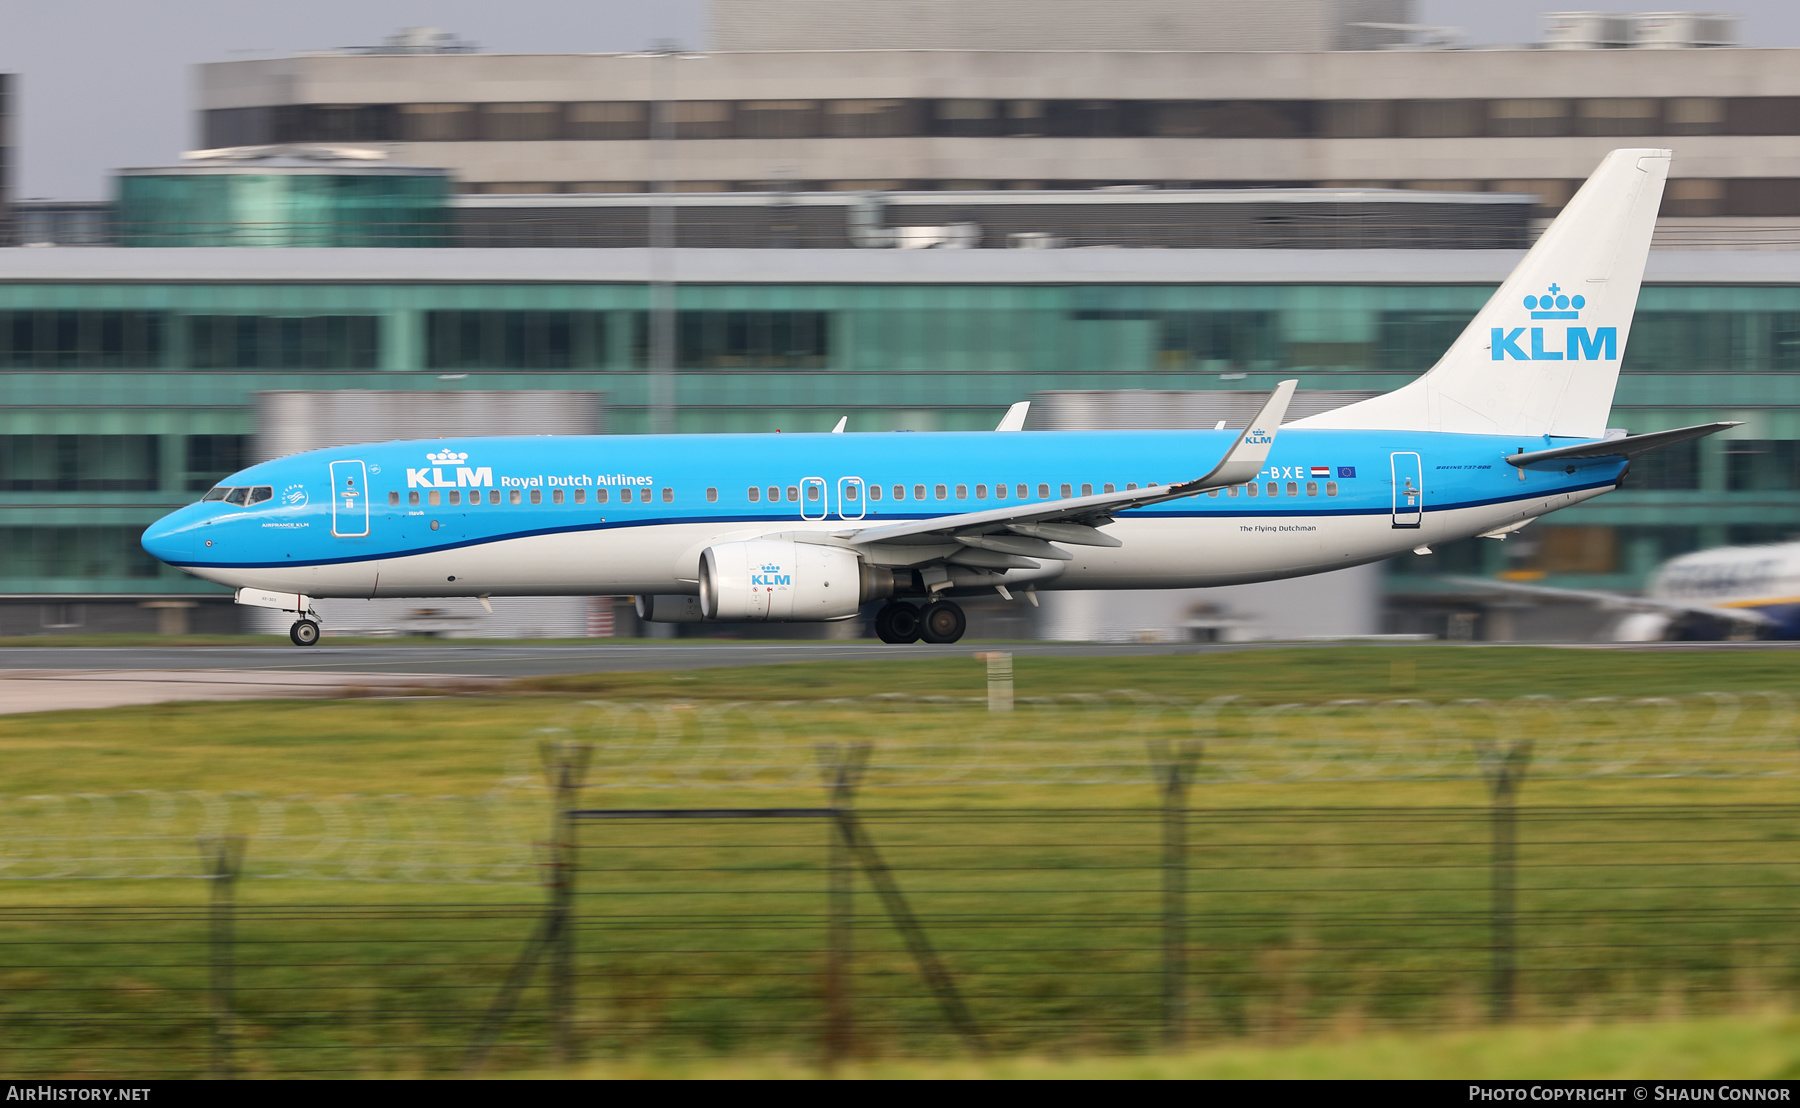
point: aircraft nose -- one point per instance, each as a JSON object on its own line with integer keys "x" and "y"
{"x": 167, "y": 540}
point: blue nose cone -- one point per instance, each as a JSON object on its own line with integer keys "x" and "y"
{"x": 169, "y": 539}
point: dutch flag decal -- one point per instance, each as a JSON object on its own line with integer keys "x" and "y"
{"x": 1321, "y": 471}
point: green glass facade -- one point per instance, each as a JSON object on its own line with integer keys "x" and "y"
{"x": 120, "y": 398}
{"x": 197, "y": 207}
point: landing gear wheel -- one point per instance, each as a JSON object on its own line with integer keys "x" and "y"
{"x": 304, "y": 632}
{"x": 897, "y": 623}
{"x": 942, "y": 621}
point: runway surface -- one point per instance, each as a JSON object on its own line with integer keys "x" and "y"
{"x": 484, "y": 660}
{"x": 36, "y": 679}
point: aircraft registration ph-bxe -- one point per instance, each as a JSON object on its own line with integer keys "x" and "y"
{"x": 1508, "y": 425}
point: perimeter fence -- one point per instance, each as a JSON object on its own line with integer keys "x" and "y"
{"x": 838, "y": 878}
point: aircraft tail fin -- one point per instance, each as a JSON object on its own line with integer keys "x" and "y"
{"x": 1542, "y": 356}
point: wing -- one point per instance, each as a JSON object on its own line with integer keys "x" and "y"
{"x": 1028, "y": 530}
{"x": 1747, "y": 616}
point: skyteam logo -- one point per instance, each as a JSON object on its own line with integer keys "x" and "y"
{"x": 1579, "y": 343}
{"x": 771, "y": 575}
{"x": 433, "y": 477}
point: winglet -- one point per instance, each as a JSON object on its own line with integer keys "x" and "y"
{"x": 1014, "y": 419}
{"x": 1246, "y": 457}
{"x": 842, "y": 422}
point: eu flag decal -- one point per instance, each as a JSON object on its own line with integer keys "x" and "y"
{"x": 1346, "y": 471}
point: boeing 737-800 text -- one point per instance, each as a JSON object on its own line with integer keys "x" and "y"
{"x": 1510, "y": 424}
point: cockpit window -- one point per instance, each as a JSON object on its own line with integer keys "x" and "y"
{"x": 217, "y": 492}
{"x": 260, "y": 493}
{"x": 237, "y": 496}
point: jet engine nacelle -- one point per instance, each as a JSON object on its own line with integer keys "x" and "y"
{"x": 774, "y": 579}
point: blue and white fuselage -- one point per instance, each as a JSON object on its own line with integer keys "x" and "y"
{"x": 1508, "y": 425}
{"x": 631, "y": 515}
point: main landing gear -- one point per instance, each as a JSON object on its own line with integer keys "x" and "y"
{"x": 941, "y": 621}
{"x": 304, "y": 632}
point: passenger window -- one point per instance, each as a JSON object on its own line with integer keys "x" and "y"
{"x": 556, "y": 497}
{"x": 434, "y": 498}
{"x": 1232, "y": 491}
{"x": 1108, "y": 487}
{"x": 493, "y": 496}
{"x": 755, "y": 493}
{"x": 1331, "y": 488}
{"x": 1312, "y": 488}
{"x": 217, "y": 492}
{"x": 918, "y": 492}
{"x": 1251, "y": 488}
{"x": 1067, "y": 491}
{"x": 793, "y": 492}
{"x": 261, "y": 493}
{"x": 1023, "y": 489}
{"x": 812, "y": 492}
{"x": 412, "y": 498}
{"x": 999, "y": 491}
{"x": 237, "y": 496}
{"x": 1293, "y": 489}
{"x": 513, "y": 497}
{"x": 1043, "y": 492}
{"x": 643, "y": 496}
{"x": 712, "y": 496}
{"x": 899, "y": 492}
{"x": 981, "y": 492}
{"x": 393, "y": 499}
{"x": 668, "y": 495}
{"x": 1212, "y": 493}
{"x": 581, "y": 496}
{"x": 1129, "y": 486}
{"x": 874, "y": 492}
{"x": 943, "y": 493}
{"x": 850, "y": 491}
{"x": 962, "y": 492}
{"x": 601, "y": 496}
{"x": 1087, "y": 490}
{"x": 455, "y": 497}
{"x": 1274, "y": 489}
{"x": 774, "y": 494}
{"x": 537, "y": 496}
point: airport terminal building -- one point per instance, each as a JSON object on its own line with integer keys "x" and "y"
{"x": 915, "y": 237}
{"x": 133, "y": 377}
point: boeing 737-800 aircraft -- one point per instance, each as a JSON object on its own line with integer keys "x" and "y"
{"x": 1510, "y": 424}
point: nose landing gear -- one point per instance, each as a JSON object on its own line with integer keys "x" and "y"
{"x": 304, "y": 632}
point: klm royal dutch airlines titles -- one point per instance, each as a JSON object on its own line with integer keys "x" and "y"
{"x": 1509, "y": 425}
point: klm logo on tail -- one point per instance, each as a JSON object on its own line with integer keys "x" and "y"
{"x": 1579, "y": 343}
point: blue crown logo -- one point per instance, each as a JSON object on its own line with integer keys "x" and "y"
{"x": 1555, "y": 304}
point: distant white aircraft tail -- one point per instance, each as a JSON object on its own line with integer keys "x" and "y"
{"x": 1542, "y": 357}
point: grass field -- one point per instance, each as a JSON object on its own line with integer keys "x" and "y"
{"x": 1338, "y": 879}
{"x": 1758, "y": 1046}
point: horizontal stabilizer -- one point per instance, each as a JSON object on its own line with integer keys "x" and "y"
{"x": 1627, "y": 447}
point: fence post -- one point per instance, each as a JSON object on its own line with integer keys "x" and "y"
{"x": 1175, "y": 769}
{"x": 1505, "y": 773}
{"x": 843, "y": 766}
{"x": 565, "y": 764}
{"x": 223, "y": 857}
